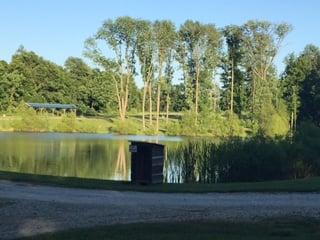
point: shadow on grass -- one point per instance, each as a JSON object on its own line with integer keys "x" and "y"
{"x": 299, "y": 185}
{"x": 273, "y": 229}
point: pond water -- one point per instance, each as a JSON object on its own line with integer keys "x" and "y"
{"x": 100, "y": 156}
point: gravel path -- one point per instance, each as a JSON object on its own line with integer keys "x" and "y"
{"x": 28, "y": 209}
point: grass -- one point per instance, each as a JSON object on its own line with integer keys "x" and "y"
{"x": 271, "y": 229}
{"x": 50, "y": 123}
{"x": 299, "y": 185}
{"x": 4, "y": 202}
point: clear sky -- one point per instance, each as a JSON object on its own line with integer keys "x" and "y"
{"x": 57, "y": 29}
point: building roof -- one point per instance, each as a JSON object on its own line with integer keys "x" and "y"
{"x": 51, "y": 106}
{"x": 146, "y": 143}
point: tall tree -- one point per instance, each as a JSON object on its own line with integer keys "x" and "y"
{"x": 292, "y": 81}
{"x": 233, "y": 76}
{"x": 121, "y": 37}
{"x": 80, "y": 75}
{"x": 43, "y": 81}
{"x": 178, "y": 97}
{"x": 168, "y": 75}
{"x": 146, "y": 55}
{"x": 164, "y": 37}
{"x": 262, "y": 41}
{"x": 198, "y": 53}
{"x": 10, "y": 89}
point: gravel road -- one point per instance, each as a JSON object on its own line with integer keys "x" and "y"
{"x": 28, "y": 209}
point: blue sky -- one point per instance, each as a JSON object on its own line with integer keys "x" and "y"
{"x": 57, "y": 29}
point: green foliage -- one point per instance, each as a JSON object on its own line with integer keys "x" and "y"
{"x": 173, "y": 128}
{"x": 198, "y": 53}
{"x": 28, "y": 120}
{"x": 187, "y": 124}
{"x": 306, "y": 151}
{"x": 310, "y": 97}
{"x": 209, "y": 124}
{"x": 236, "y": 127}
{"x": 232, "y": 65}
{"x": 300, "y": 85}
{"x": 24, "y": 118}
{"x": 244, "y": 66}
{"x": 272, "y": 122}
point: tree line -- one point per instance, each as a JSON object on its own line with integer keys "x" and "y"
{"x": 226, "y": 81}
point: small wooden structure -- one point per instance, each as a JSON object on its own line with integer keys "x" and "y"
{"x": 146, "y": 162}
{"x": 53, "y": 107}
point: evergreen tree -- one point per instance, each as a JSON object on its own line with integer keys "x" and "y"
{"x": 297, "y": 70}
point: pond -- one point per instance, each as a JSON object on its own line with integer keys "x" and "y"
{"x": 99, "y": 156}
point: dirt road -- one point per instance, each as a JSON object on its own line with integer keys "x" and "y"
{"x": 27, "y": 209}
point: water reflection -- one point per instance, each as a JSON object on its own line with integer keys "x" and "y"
{"x": 78, "y": 155}
{"x": 121, "y": 166}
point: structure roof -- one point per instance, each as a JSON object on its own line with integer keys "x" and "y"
{"x": 51, "y": 106}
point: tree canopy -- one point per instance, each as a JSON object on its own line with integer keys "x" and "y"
{"x": 207, "y": 77}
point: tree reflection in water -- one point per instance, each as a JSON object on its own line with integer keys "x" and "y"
{"x": 121, "y": 165}
{"x": 80, "y": 155}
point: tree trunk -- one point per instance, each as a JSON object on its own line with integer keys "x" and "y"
{"x": 158, "y": 95}
{"x": 232, "y": 84}
{"x": 253, "y": 94}
{"x": 143, "y": 105}
{"x": 167, "y": 108}
{"x": 295, "y": 116}
{"x": 197, "y": 96}
{"x": 291, "y": 121}
{"x": 214, "y": 104}
{"x": 126, "y": 97}
{"x": 158, "y": 106}
{"x": 150, "y": 103}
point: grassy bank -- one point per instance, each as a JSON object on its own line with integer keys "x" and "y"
{"x": 47, "y": 123}
{"x": 271, "y": 229}
{"x": 69, "y": 123}
{"x": 299, "y": 185}
{"x": 26, "y": 119}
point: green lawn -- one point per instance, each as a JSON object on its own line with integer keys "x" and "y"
{"x": 300, "y": 185}
{"x": 97, "y": 124}
{"x": 272, "y": 229}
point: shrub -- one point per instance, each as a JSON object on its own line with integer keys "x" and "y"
{"x": 187, "y": 124}
{"x": 67, "y": 123}
{"x": 27, "y": 119}
{"x": 272, "y": 122}
{"x": 173, "y": 128}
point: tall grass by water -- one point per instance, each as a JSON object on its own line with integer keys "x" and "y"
{"x": 249, "y": 159}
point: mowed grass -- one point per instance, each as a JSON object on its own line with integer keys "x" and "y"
{"x": 4, "y": 202}
{"x": 299, "y": 185}
{"x": 271, "y": 229}
{"x": 97, "y": 124}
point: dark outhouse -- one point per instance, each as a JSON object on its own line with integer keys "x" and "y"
{"x": 146, "y": 162}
